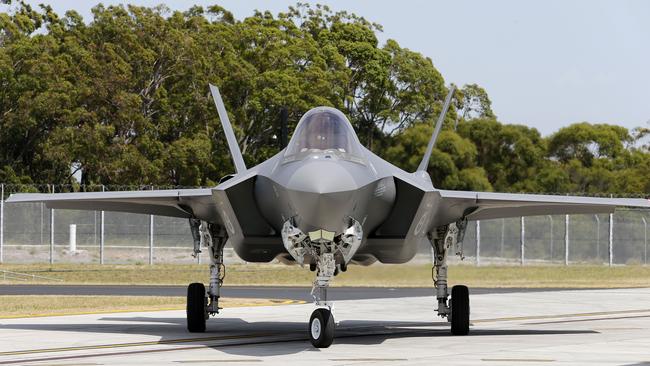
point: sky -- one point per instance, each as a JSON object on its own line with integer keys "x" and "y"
{"x": 545, "y": 64}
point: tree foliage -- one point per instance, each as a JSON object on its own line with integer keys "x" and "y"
{"x": 123, "y": 99}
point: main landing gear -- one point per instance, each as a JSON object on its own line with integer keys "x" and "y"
{"x": 201, "y": 303}
{"x": 456, "y": 310}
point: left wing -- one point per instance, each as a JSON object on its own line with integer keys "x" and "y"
{"x": 453, "y": 205}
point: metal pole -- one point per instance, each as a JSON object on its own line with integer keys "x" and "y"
{"x": 645, "y": 240}
{"x": 551, "y": 219}
{"x": 72, "y": 242}
{"x": 51, "y": 236}
{"x": 597, "y": 237}
{"x": 611, "y": 239}
{"x": 522, "y": 241}
{"x": 151, "y": 237}
{"x": 478, "y": 242}
{"x": 150, "y": 240}
{"x": 2, "y": 222}
{"x": 566, "y": 240}
{"x": 101, "y": 235}
{"x": 503, "y": 231}
{"x": 42, "y": 222}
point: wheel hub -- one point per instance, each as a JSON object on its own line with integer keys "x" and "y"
{"x": 315, "y": 328}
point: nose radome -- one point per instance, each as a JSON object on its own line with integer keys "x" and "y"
{"x": 322, "y": 177}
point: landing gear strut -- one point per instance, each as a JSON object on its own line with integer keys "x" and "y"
{"x": 201, "y": 303}
{"x": 456, "y": 310}
{"x": 329, "y": 254}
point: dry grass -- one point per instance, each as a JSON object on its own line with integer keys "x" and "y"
{"x": 376, "y": 275}
{"x": 28, "y": 306}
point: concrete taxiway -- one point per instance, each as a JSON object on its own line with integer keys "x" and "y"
{"x": 604, "y": 327}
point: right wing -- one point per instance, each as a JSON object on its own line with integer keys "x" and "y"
{"x": 186, "y": 203}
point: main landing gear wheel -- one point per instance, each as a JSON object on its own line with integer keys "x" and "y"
{"x": 321, "y": 328}
{"x": 196, "y": 308}
{"x": 459, "y": 310}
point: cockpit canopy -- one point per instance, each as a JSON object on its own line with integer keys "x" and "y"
{"x": 324, "y": 129}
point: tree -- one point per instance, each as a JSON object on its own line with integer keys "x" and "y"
{"x": 472, "y": 101}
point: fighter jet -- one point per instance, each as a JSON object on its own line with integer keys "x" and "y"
{"x": 327, "y": 202}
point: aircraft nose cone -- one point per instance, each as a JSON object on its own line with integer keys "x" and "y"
{"x": 322, "y": 177}
{"x": 323, "y": 196}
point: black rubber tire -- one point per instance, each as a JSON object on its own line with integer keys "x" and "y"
{"x": 325, "y": 335}
{"x": 344, "y": 267}
{"x": 196, "y": 308}
{"x": 459, "y": 310}
{"x": 312, "y": 267}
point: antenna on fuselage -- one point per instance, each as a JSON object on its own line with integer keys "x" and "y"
{"x": 427, "y": 155}
{"x": 235, "y": 152}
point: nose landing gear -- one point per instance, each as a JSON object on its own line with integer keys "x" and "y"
{"x": 326, "y": 249}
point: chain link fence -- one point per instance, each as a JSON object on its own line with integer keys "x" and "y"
{"x": 30, "y": 232}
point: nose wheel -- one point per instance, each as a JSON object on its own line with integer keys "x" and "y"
{"x": 321, "y": 328}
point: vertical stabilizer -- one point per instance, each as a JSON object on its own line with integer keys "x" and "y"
{"x": 237, "y": 157}
{"x": 427, "y": 155}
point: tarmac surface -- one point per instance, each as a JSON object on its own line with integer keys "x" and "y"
{"x": 586, "y": 327}
{"x": 261, "y": 292}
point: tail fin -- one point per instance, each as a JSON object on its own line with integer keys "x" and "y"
{"x": 427, "y": 155}
{"x": 237, "y": 157}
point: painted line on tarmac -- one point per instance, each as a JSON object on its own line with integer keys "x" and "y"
{"x": 286, "y": 337}
{"x": 245, "y": 336}
{"x": 269, "y": 302}
{"x": 133, "y": 344}
{"x": 556, "y": 316}
{"x": 592, "y": 320}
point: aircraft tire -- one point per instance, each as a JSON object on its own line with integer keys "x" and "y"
{"x": 459, "y": 310}
{"x": 196, "y": 308}
{"x": 321, "y": 328}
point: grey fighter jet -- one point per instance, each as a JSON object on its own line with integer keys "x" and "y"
{"x": 326, "y": 201}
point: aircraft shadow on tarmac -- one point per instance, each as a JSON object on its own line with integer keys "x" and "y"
{"x": 231, "y": 335}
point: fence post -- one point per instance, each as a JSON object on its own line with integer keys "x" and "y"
{"x": 522, "y": 241}
{"x": 42, "y": 222}
{"x": 478, "y": 242}
{"x": 150, "y": 240}
{"x": 611, "y": 239}
{"x": 551, "y": 220}
{"x": 597, "y": 237}
{"x": 101, "y": 235}
{"x": 51, "y": 236}
{"x": 2, "y": 222}
{"x": 72, "y": 242}
{"x": 151, "y": 237}
{"x": 503, "y": 231}
{"x": 645, "y": 240}
{"x": 566, "y": 240}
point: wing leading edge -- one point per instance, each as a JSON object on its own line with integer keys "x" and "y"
{"x": 453, "y": 205}
{"x": 184, "y": 203}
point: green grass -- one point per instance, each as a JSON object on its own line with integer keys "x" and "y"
{"x": 416, "y": 275}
